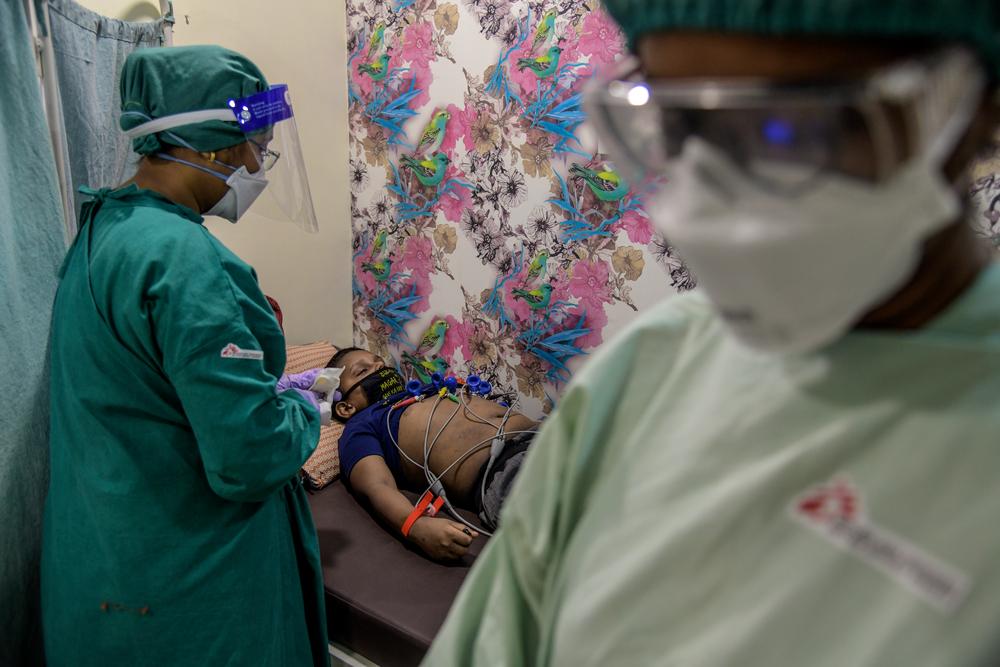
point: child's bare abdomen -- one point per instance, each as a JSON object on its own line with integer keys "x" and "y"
{"x": 463, "y": 431}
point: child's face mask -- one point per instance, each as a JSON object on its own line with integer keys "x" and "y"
{"x": 378, "y": 386}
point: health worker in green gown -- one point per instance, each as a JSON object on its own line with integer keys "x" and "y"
{"x": 176, "y": 529}
{"x": 796, "y": 463}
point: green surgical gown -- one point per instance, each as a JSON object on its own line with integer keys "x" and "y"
{"x": 691, "y": 503}
{"x": 176, "y": 531}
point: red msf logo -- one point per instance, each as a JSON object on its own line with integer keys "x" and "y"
{"x": 230, "y": 350}
{"x": 836, "y": 500}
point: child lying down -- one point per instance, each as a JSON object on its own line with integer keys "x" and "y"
{"x": 387, "y": 446}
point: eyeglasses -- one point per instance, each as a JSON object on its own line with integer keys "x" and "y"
{"x": 267, "y": 157}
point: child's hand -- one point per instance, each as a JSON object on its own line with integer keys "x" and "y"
{"x": 442, "y": 539}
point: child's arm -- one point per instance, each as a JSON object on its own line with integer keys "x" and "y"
{"x": 440, "y": 538}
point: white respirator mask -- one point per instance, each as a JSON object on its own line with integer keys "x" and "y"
{"x": 244, "y": 188}
{"x": 792, "y": 275}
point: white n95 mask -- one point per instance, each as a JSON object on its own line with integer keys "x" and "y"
{"x": 792, "y": 274}
{"x": 244, "y": 188}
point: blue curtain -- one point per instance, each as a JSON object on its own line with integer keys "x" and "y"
{"x": 31, "y": 248}
{"x": 89, "y": 52}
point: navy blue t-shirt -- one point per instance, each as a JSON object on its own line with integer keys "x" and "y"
{"x": 367, "y": 434}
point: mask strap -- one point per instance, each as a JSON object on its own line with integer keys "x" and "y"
{"x": 951, "y": 132}
{"x": 344, "y": 394}
{"x": 171, "y": 158}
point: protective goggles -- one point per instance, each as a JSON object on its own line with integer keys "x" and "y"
{"x": 786, "y": 136}
{"x": 268, "y": 123}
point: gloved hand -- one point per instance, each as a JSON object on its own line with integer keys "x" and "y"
{"x": 298, "y": 380}
{"x": 327, "y": 383}
{"x": 323, "y": 408}
{"x": 303, "y": 383}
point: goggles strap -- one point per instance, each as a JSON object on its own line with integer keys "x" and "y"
{"x": 170, "y": 158}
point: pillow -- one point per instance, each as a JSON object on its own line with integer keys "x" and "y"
{"x": 323, "y": 466}
{"x": 300, "y": 358}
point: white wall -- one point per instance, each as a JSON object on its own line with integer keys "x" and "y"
{"x": 302, "y": 44}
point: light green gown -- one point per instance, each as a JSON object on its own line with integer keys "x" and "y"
{"x": 660, "y": 520}
{"x": 176, "y": 531}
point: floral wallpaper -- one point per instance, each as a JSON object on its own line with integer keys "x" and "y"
{"x": 985, "y": 192}
{"x": 489, "y": 236}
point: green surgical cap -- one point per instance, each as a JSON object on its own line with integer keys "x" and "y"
{"x": 161, "y": 82}
{"x": 973, "y": 22}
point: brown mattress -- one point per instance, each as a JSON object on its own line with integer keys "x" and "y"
{"x": 384, "y": 599}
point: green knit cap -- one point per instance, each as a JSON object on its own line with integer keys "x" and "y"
{"x": 166, "y": 81}
{"x": 973, "y": 22}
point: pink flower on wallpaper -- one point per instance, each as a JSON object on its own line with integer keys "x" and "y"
{"x": 418, "y": 44}
{"x": 600, "y": 39}
{"x": 456, "y": 200}
{"x": 417, "y": 260}
{"x": 637, "y": 226}
{"x": 590, "y": 283}
{"x": 424, "y": 79}
{"x": 597, "y": 319}
{"x": 365, "y": 279}
{"x": 420, "y": 283}
{"x": 457, "y": 338}
{"x": 417, "y": 256}
{"x": 459, "y": 127}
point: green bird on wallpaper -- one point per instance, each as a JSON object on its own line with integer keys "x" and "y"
{"x": 538, "y": 265}
{"x": 433, "y": 134}
{"x": 378, "y": 36}
{"x": 537, "y": 298}
{"x": 378, "y": 245}
{"x": 542, "y": 66}
{"x": 425, "y": 368}
{"x": 545, "y": 31}
{"x": 429, "y": 172}
{"x": 433, "y": 339}
{"x": 606, "y": 184}
{"x": 379, "y": 269}
{"x": 376, "y": 69}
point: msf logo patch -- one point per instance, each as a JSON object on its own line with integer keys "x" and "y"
{"x": 835, "y": 511}
{"x": 233, "y": 351}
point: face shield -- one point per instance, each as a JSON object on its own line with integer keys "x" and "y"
{"x": 268, "y": 124}
{"x": 786, "y": 138}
